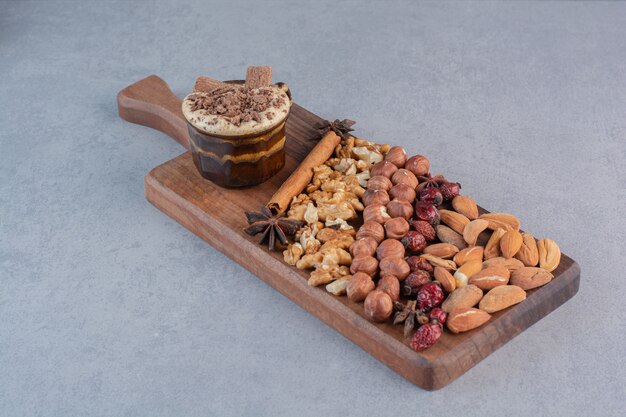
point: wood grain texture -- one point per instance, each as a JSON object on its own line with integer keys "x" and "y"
{"x": 217, "y": 215}
{"x": 150, "y": 102}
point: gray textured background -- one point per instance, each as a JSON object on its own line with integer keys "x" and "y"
{"x": 108, "y": 307}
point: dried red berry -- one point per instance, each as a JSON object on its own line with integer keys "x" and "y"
{"x": 425, "y": 229}
{"x": 414, "y": 242}
{"x": 426, "y": 336}
{"x": 431, "y": 195}
{"x": 412, "y": 283}
{"x": 417, "y": 262}
{"x": 427, "y": 212}
{"x": 429, "y": 295}
{"x": 437, "y": 315}
{"x": 449, "y": 190}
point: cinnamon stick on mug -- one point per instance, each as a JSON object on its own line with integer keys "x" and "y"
{"x": 301, "y": 177}
{"x": 208, "y": 84}
{"x": 257, "y": 77}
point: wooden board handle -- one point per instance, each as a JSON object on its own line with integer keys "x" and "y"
{"x": 150, "y": 102}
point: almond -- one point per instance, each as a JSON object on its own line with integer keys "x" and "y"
{"x": 549, "y": 254}
{"x": 442, "y": 250}
{"x": 474, "y": 253}
{"x": 473, "y": 229}
{"x": 511, "y": 264}
{"x": 501, "y": 221}
{"x": 466, "y": 206}
{"x": 464, "y": 297}
{"x": 445, "y": 278}
{"x": 491, "y": 277}
{"x": 437, "y": 261}
{"x": 454, "y": 220}
{"x": 465, "y": 272}
{"x": 464, "y": 319}
{"x": 510, "y": 243}
{"x": 502, "y": 297}
{"x": 447, "y": 235}
{"x": 530, "y": 277}
{"x": 492, "y": 248}
{"x": 528, "y": 252}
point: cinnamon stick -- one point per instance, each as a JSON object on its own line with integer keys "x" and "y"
{"x": 207, "y": 85}
{"x": 257, "y": 77}
{"x": 301, "y": 177}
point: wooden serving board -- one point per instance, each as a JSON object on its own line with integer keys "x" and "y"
{"x": 217, "y": 215}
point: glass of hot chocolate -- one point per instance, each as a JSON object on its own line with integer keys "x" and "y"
{"x": 237, "y": 134}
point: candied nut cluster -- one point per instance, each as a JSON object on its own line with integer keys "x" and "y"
{"x": 439, "y": 261}
{"x": 329, "y": 206}
{"x": 424, "y": 256}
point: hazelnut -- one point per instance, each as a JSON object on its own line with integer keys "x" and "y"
{"x": 371, "y": 229}
{"x": 397, "y": 156}
{"x": 365, "y": 246}
{"x": 378, "y": 306}
{"x": 403, "y": 192}
{"x": 365, "y": 264}
{"x": 399, "y": 208}
{"x": 379, "y": 182}
{"x": 394, "y": 266}
{"x": 403, "y": 176}
{"x": 390, "y": 248}
{"x": 384, "y": 168}
{"x": 396, "y": 228}
{"x": 418, "y": 165}
{"x": 375, "y": 197}
{"x": 390, "y": 285}
{"x": 359, "y": 286}
{"x": 376, "y": 213}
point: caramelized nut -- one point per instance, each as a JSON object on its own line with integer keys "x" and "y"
{"x": 365, "y": 264}
{"x": 400, "y": 208}
{"x": 442, "y": 250}
{"x": 402, "y": 192}
{"x": 359, "y": 286}
{"x": 390, "y": 248}
{"x": 445, "y": 278}
{"x": 397, "y": 156}
{"x": 396, "y": 228}
{"x": 390, "y": 285}
{"x": 418, "y": 165}
{"x": 404, "y": 176}
{"x": 376, "y": 213}
{"x": 371, "y": 229}
{"x": 371, "y": 197}
{"x": 379, "y": 182}
{"x": 384, "y": 168}
{"x": 397, "y": 267}
{"x": 378, "y": 306}
{"x": 465, "y": 272}
{"x": 364, "y": 246}
{"x": 474, "y": 253}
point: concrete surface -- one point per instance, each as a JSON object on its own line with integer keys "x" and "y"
{"x": 108, "y": 307}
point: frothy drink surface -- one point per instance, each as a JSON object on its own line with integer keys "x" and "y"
{"x": 237, "y": 110}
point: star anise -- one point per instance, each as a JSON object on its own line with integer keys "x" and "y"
{"x": 271, "y": 227}
{"x": 340, "y": 127}
{"x": 407, "y": 314}
{"x": 428, "y": 180}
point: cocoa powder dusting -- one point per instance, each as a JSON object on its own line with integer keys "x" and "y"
{"x": 236, "y": 104}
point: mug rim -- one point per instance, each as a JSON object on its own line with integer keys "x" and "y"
{"x": 248, "y": 135}
{"x": 238, "y": 136}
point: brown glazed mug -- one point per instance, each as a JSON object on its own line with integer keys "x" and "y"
{"x": 240, "y": 160}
